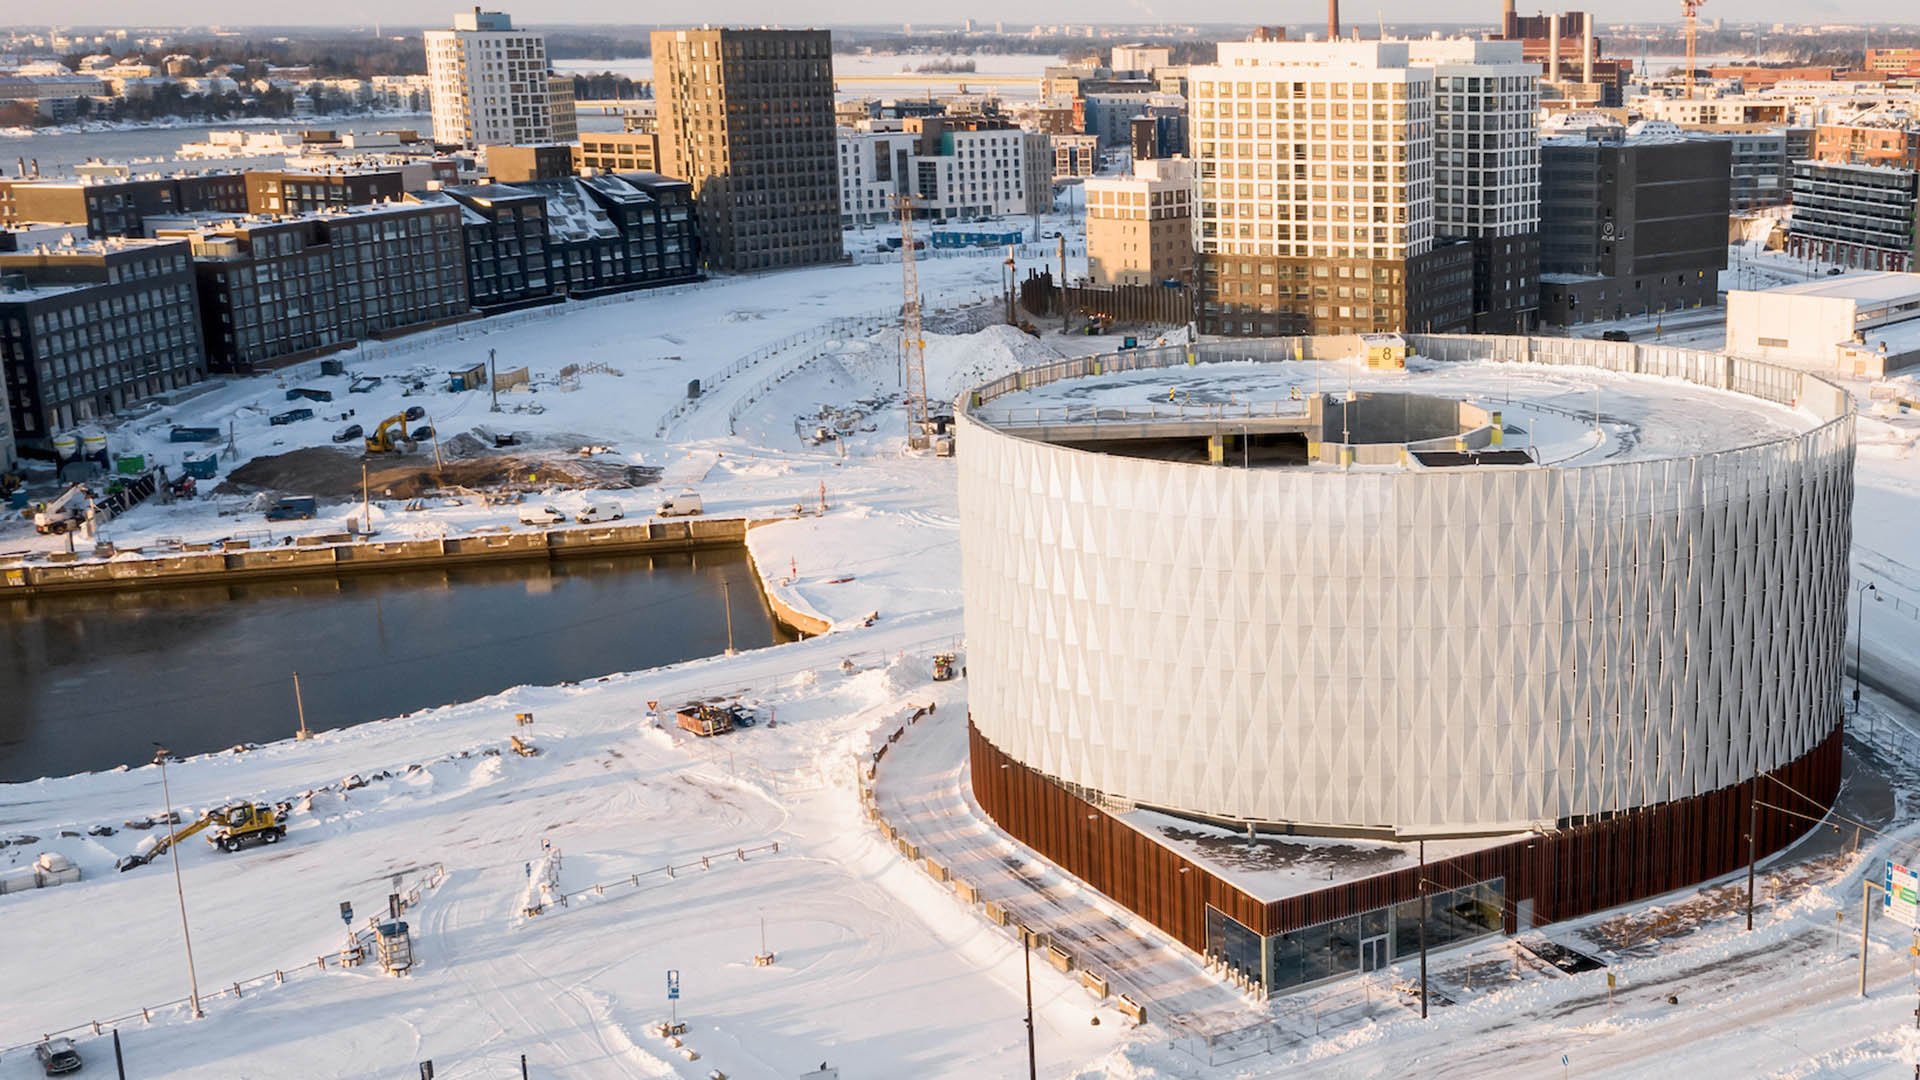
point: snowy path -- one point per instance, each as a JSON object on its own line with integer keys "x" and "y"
{"x": 921, "y": 788}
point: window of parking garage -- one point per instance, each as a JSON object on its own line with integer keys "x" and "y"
{"x": 1375, "y": 939}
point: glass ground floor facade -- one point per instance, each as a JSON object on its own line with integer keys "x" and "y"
{"x": 1357, "y": 944}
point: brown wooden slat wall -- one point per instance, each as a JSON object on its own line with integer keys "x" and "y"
{"x": 1567, "y": 873}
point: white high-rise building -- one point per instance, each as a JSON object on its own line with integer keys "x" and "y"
{"x": 954, "y": 168}
{"x": 1486, "y": 177}
{"x": 1319, "y": 201}
{"x": 489, "y": 82}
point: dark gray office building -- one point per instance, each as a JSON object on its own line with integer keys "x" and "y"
{"x": 1631, "y": 226}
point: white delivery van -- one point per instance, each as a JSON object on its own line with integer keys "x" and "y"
{"x": 686, "y": 502}
{"x": 541, "y": 515}
{"x": 602, "y": 511}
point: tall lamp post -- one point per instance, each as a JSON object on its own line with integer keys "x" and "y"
{"x": 193, "y": 980}
{"x": 1859, "y": 639}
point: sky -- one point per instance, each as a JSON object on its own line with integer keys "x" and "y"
{"x": 831, "y": 12}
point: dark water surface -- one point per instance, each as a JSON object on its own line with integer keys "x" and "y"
{"x": 92, "y": 681}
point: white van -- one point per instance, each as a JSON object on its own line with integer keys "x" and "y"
{"x": 607, "y": 511}
{"x": 686, "y": 503}
{"x": 541, "y": 515}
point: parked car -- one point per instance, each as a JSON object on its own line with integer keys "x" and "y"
{"x": 349, "y": 433}
{"x": 685, "y": 503}
{"x": 1616, "y": 335}
{"x": 415, "y": 412}
{"x": 422, "y": 433}
{"x": 57, "y": 1056}
{"x": 288, "y": 417}
{"x": 541, "y": 515}
{"x": 607, "y": 511}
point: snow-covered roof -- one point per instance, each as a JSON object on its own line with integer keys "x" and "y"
{"x": 1867, "y": 288}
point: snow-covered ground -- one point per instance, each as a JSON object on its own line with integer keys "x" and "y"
{"x": 877, "y": 969}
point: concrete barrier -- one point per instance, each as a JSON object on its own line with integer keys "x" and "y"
{"x": 938, "y": 872}
{"x": 966, "y": 891}
{"x": 1131, "y": 1009}
{"x": 1061, "y": 959}
{"x": 1095, "y": 984}
{"x": 910, "y": 850}
{"x": 996, "y": 914}
{"x": 337, "y": 553}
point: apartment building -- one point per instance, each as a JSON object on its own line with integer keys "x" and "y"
{"x": 91, "y": 327}
{"x": 614, "y": 233}
{"x": 118, "y": 206}
{"x": 1486, "y": 176}
{"x": 274, "y": 291}
{"x": 289, "y": 191}
{"x": 617, "y": 151}
{"x": 954, "y": 168}
{"x": 1860, "y": 216}
{"x": 746, "y": 117}
{"x": 505, "y": 231}
{"x": 1631, "y": 226}
{"x": 1075, "y": 156}
{"x": 1315, "y": 202}
{"x": 1140, "y": 227}
{"x": 489, "y": 82}
{"x": 566, "y": 120}
{"x": 1894, "y": 143}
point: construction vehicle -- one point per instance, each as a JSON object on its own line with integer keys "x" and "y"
{"x": 390, "y": 436}
{"x": 703, "y": 720}
{"x": 66, "y": 512}
{"x": 943, "y": 667}
{"x": 235, "y": 826}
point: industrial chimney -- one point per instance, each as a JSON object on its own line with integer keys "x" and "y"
{"x": 1509, "y": 22}
{"x": 1333, "y": 20}
{"x": 1553, "y": 49}
{"x": 1586, "y": 52}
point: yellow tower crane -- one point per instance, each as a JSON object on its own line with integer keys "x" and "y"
{"x": 1692, "y": 9}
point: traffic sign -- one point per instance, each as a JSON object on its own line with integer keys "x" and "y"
{"x": 346, "y": 912}
{"x": 1902, "y": 893}
{"x": 673, "y": 984}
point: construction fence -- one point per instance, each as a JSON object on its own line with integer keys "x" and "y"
{"x": 428, "y": 880}
{"x": 1161, "y": 305}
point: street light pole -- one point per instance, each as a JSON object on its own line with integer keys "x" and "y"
{"x": 1033, "y": 1060}
{"x": 193, "y": 979}
{"x": 1859, "y": 640}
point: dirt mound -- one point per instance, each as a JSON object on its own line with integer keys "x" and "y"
{"x": 329, "y": 471}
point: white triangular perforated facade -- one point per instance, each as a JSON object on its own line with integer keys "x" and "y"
{"x": 1439, "y": 651}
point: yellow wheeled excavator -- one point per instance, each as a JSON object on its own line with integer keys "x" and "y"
{"x": 242, "y": 824}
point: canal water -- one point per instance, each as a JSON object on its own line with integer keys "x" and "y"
{"x": 92, "y": 681}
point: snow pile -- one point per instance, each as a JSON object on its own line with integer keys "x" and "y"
{"x": 958, "y": 363}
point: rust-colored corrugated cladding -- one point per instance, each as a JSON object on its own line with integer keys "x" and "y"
{"x": 1566, "y": 873}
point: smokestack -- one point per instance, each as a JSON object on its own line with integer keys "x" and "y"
{"x": 1586, "y": 53}
{"x": 1333, "y": 20}
{"x": 1553, "y": 49}
{"x": 1509, "y": 22}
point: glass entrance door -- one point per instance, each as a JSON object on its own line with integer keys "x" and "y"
{"x": 1373, "y": 953}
